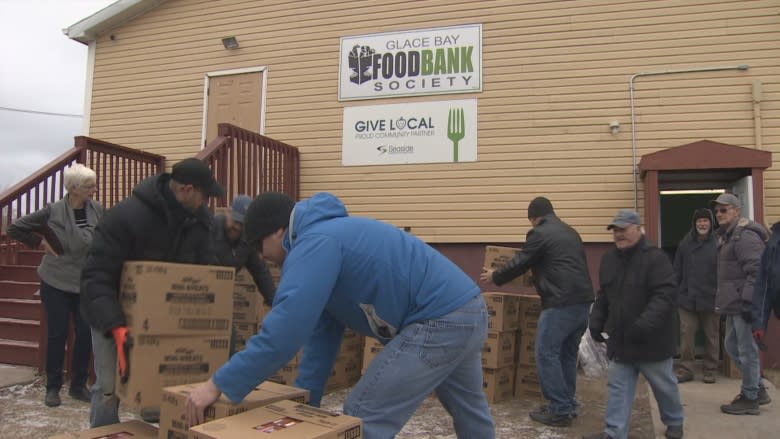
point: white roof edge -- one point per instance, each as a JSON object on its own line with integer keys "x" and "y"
{"x": 108, "y": 18}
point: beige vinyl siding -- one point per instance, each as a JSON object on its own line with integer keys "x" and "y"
{"x": 554, "y": 75}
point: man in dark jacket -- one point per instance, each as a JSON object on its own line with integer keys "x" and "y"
{"x": 554, "y": 252}
{"x": 165, "y": 219}
{"x": 232, "y": 249}
{"x": 635, "y": 306}
{"x": 766, "y": 298}
{"x": 696, "y": 265}
{"x": 739, "y": 260}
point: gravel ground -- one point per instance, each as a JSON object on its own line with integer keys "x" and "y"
{"x": 23, "y": 415}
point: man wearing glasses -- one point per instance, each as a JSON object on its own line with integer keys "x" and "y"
{"x": 741, "y": 243}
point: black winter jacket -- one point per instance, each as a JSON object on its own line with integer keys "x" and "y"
{"x": 739, "y": 263}
{"x": 696, "y": 268}
{"x": 637, "y": 295}
{"x": 766, "y": 296}
{"x": 554, "y": 252}
{"x": 240, "y": 255}
{"x": 149, "y": 225}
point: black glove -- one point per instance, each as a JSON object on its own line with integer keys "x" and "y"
{"x": 747, "y": 311}
{"x": 634, "y": 334}
{"x": 595, "y": 334}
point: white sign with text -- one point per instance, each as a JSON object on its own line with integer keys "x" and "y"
{"x": 412, "y": 63}
{"x": 420, "y": 132}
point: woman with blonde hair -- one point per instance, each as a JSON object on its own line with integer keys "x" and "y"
{"x": 65, "y": 229}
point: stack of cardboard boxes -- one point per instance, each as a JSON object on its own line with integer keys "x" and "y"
{"x": 248, "y": 308}
{"x": 509, "y": 349}
{"x": 498, "y": 353}
{"x": 179, "y": 318}
{"x": 173, "y": 421}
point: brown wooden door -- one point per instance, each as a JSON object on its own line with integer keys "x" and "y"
{"x": 234, "y": 99}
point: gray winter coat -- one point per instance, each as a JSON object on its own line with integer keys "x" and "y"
{"x": 739, "y": 261}
{"x": 64, "y": 271}
{"x": 696, "y": 264}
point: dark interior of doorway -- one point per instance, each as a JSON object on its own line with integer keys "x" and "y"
{"x": 676, "y": 215}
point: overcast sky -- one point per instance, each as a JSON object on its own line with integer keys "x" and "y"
{"x": 41, "y": 70}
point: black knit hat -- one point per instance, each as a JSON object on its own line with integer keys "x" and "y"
{"x": 266, "y": 214}
{"x": 539, "y": 206}
{"x": 702, "y": 213}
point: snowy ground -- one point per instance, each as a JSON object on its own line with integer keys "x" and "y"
{"x": 23, "y": 415}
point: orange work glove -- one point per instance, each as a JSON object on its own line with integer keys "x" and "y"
{"x": 120, "y": 337}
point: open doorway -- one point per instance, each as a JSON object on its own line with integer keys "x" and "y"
{"x": 677, "y": 208}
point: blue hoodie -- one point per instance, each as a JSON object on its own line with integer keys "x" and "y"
{"x": 342, "y": 272}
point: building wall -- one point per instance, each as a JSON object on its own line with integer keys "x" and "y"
{"x": 555, "y": 74}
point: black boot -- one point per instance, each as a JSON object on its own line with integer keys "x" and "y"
{"x": 741, "y": 406}
{"x": 52, "y": 398}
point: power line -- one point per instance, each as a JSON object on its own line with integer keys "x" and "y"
{"x": 47, "y": 113}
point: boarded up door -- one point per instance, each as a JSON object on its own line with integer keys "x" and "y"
{"x": 234, "y": 99}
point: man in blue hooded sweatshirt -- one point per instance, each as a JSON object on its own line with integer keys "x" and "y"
{"x": 343, "y": 272}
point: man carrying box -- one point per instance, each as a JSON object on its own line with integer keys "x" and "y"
{"x": 165, "y": 219}
{"x": 554, "y": 252}
{"x": 347, "y": 272}
{"x": 233, "y": 250}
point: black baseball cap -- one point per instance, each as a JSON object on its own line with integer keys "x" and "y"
{"x": 195, "y": 172}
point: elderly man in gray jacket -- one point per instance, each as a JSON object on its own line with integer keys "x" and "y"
{"x": 741, "y": 243}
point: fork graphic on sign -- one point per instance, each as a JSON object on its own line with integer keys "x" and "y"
{"x": 456, "y": 129}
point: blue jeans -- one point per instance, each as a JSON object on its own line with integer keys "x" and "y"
{"x": 60, "y": 305}
{"x": 622, "y": 390}
{"x": 743, "y": 350}
{"x": 442, "y": 355}
{"x": 558, "y": 336}
{"x": 104, "y": 409}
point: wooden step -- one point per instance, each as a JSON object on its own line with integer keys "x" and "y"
{"x": 25, "y": 309}
{"x": 29, "y": 257}
{"x": 24, "y": 353}
{"x": 20, "y": 273}
{"x": 11, "y": 289}
{"x": 19, "y": 329}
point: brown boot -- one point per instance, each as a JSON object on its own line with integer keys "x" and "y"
{"x": 709, "y": 376}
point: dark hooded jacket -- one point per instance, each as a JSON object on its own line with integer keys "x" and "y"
{"x": 696, "y": 265}
{"x": 241, "y": 255}
{"x": 555, "y": 254}
{"x": 739, "y": 261}
{"x": 637, "y": 294}
{"x": 766, "y": 296}
{"x": 149, "y": 225}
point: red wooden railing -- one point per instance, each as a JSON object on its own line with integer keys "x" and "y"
{"x": 249, "y": 163}
{"x": 118, "y": 170}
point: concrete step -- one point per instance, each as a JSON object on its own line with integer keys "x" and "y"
{"x": 25, "y": 309}
{"x": 20, "y": 273}
{"x": 24, "y": 353}
{"x": 29, "y": 257}
{"x": 19, "y": 329}
{"x": 12, "y": 289}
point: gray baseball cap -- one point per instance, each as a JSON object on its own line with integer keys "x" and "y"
{"x": 625, "y": 218}
{"x": 727, "y": 200}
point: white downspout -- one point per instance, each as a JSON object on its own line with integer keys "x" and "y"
{"x": 634, "y": 163}
{"x": 90, "y": 75}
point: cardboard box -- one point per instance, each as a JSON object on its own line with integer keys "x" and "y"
{"x": 160, "y": 298}
{"x": 286, "y": 375}
{"x": 499, "y": 349}
{"x": 282, "y": 420}
{"x": 371, "y": 348}
{"x": 527, "y": 384}
{"x": 498, "y": 384}
{"x": 526, "y": 349}
{"x": 163, "y": 361}
{"x": 173, "y": 421}
{"x": 134, "y": 429}
{"x": 503, "y": 311}
{"x": 497, "y": 257}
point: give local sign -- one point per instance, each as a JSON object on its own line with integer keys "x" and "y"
{"x": 419, "y": 132}
{"x": 414, "y": 63}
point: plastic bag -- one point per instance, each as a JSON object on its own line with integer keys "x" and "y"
{"x": 593, "y": 356}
